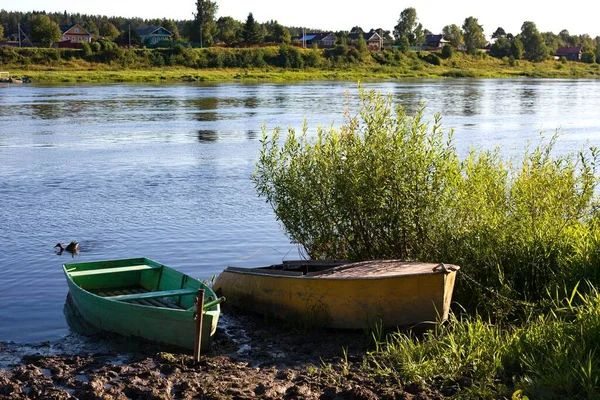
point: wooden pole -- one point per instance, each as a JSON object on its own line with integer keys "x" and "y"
{"x": 198, "y": 315}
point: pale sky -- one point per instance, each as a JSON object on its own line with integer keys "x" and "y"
{"x": 577, "y": 18}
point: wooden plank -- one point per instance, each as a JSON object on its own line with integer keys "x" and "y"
{"x": 156, "y": 302}
{"x": 152, "y": 295}
{"x": 112, "y": 270}
{"x": 261, "y": 271}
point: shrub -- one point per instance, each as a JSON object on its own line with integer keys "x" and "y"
{"x": 433, "y": 59}
{"x": 588, "y": 57}
{"x": 447, "y": 51}
{"x": 386, "y": 185}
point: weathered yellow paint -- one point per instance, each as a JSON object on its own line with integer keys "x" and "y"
{"x": 348, "y": 303}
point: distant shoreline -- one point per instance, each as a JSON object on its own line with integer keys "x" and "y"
{"x": 104, "y": 74}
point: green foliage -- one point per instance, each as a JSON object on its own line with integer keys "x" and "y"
{"x": 386, "y": 185}
{"x": 1, "y": 32}
{"x": 588, "y": 57}
{"x": 369, "y": 190}
{"x": 433, "y": 59}
{"x": 453, "y": 34}
{"x": 473, "y": 35}
{"x": 252, "y": 32}
{"x": 501, "y": 48}
{"x": 408, "y": 31}
{"x": 44, "y": 30}
{"x": 533, "y": 43}
{"x": 552, "y": 354}
{"x": 447, "y": 51}
{"x": 516, "y": 48}
{"x": 109, "y": 31}
{"x": 229, "y": 30}
{"x": 204, "y": 27}
{"x": 290, "y": 57}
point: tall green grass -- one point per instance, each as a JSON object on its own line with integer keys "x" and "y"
{"x": 553, "y": 355}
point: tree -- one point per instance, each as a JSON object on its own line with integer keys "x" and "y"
{"x": 109, "y": 31}
{"x": 92, "y": 28}
{"x": 277, "y": 33}
{"x": 533, "y": 43}
{"x": 1, "y": 31}
{"x": 252, "y": 32}
{"x": 588, "y": 57}
{"x": 361, "y": 44}
{"x": 516, "y": 48}
{"x": 204, "y": 22}
{"x": 229, "y": 30}
{"x": 171, "y": 26}
{"x": 498, "y": 33}
{"x": 453, "y": 34}
{"x": 408, "y": 31}
{"x": 473, "y": 35}
{"x": 501, "y": 48}
{"x": 44, "y": 30}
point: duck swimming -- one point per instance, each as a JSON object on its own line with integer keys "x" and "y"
{"x": 72, "y": 247}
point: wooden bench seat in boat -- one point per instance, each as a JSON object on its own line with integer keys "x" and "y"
{"x": 112, "y": 270}
{"x": 153, "y": 295}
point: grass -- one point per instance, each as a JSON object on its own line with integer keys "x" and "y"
{"x": 458, "y": 66}
{"x": 551, "y": 354}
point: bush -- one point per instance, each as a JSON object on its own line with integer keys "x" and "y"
{"x": 447, "y": 51}
{"x": 391, "y": 186}
{"x": 588, "y": 57}
{"x": 433, "y": 59}
{"x": 346, "y": 195}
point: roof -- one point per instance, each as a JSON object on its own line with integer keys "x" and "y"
{"x": 65, "y": 28}
{"x": 433, "y": 38}
{"x": 367, "y": 36}
{"x": 315, "y": 36}
{"x": 565, "y": 51}
{"x": 149, "y": 30}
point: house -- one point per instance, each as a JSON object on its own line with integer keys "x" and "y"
{"x": 434, "y": 42}
{"x": 374, "y": 41}
{"x": 151, "y": 35}
{"x": 74, "y": 33}
{"x": 570, "y": 53}
{"x": 322, "y": 39}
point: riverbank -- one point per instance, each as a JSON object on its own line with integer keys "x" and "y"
{"x": 458, "y": 66}
{"x": 249, "y": 359}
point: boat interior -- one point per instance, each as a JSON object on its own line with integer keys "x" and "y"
{"x": 147, "y": 285}
{"x": 302, "y": 267}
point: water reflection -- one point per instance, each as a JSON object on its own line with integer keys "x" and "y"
{"x": 47, "y": 110}
{"x": 471, "y": 96}
{"x": 205, "y": 109}
{"x": 207, "y": 135}
{"x": 528, "y": 96}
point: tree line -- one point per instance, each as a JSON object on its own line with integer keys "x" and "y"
{"x": 206, "y": 30}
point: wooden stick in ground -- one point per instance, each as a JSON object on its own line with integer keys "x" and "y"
{"x": 199, "y": 313}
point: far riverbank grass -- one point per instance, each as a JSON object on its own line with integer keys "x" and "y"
{"x": 458, "y": 66}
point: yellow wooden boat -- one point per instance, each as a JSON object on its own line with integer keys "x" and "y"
{"x": 343, "y": 295}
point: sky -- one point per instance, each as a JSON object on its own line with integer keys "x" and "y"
{"x": 343, "y": 15}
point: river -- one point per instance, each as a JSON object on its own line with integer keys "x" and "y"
{"x": 163, "y": 171}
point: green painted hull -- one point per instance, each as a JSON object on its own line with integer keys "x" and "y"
{"x": 168, "y": 320}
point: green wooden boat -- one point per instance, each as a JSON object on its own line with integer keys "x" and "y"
{"x": 143, "y": 298}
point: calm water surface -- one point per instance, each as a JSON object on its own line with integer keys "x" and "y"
{"x": 164, "y": 171}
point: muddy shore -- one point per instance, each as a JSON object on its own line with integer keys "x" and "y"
{"x": 250, "y": 358}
